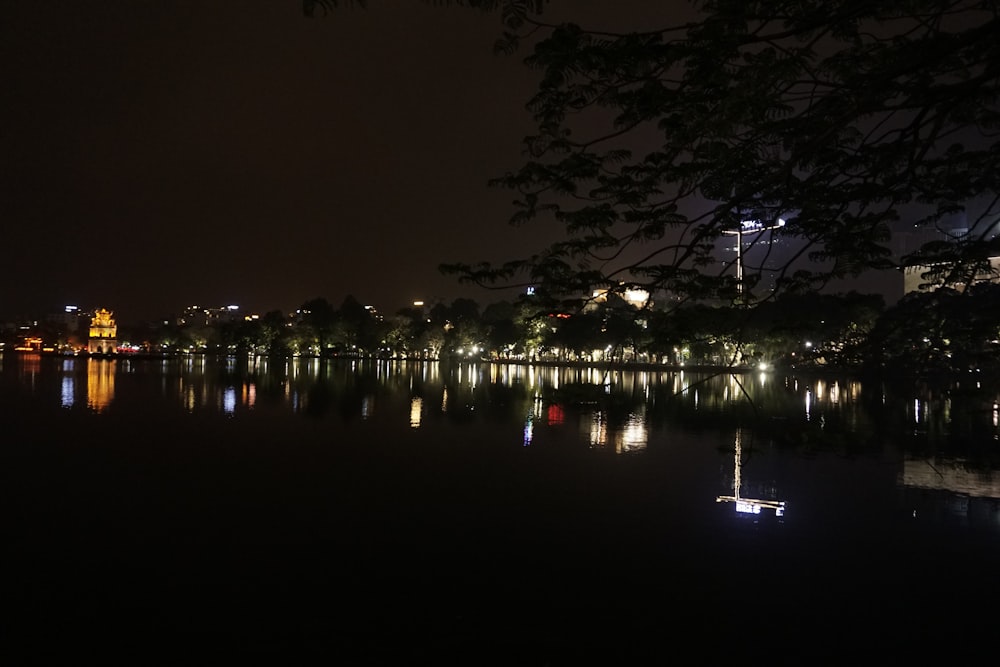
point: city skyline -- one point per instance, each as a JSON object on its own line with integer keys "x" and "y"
{"x": 238, "y": 152}
{"x": 161, "y": 155}
{"x": 890, "y": 287}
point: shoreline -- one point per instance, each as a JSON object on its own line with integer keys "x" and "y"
{"x": 540, "y": 363}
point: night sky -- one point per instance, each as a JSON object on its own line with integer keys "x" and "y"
{"x": 159, "y": 155}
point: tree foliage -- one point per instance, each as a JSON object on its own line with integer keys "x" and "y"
{"x": 838, "y": 120}
{"x": 938, "y": 334}
{"x": 831, "y": 125}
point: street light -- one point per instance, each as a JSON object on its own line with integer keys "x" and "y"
{"x": 747, "y": 227}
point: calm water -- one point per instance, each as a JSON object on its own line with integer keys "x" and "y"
{"x": 494, "y": 513}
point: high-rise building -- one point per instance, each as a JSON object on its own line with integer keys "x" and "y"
{"x": 755, "y": 254}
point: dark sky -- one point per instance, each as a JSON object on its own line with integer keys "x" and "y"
{"x": 163, "y": 154}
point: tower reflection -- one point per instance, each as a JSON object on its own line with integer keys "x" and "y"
{"x": 744, "y": 504}
{"x": 100, "y": 383}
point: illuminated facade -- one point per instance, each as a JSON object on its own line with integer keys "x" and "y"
{"x": 103, "y": 337}
{"x": 760, "y": 254}
{"x": 202, "y": 317}
{"x": 633, "y": 296}
{"x": 978, "y": 223}
{"x": 30, "y": 344}
{"x": 919, "y": 278}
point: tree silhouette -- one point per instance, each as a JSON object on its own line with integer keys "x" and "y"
{"x": 811, "y": 133}
{"x": 827, "y": 122}
{"x": 937, "y": 334}
{"x": 321, "y": 318}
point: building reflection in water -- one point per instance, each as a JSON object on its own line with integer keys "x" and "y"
{"x": 630, "y": 436}
{"x": 416, "y": 411}
{"x": 190, "y": 399}
{"x": 951, "y": 489}
{"x": 67, "y": 393}
{"x": 598, "y": 429}
{"x": 250, "y": 394}
{"x": 100, "y": 383}
{"x": 534, "y": 414}
{"x": 543, "y": 395}
{"x": 633, "y": 435}
{"x": 746, "y": 504}
{"x": 554, "y": 414}
{"x": 28, "y": 369}
{"x": 229, "y": 400}
{"x": 540, "y": 399}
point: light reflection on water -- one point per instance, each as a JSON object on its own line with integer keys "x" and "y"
{"x": 236, "y": 384}
{"x": 633, "y": 435}
{"x": 100, "y": 383}
{"x": 944, "y": 445}
{"x": 416, "y": 411}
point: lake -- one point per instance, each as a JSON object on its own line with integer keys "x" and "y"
{"x": 380, "y": 512}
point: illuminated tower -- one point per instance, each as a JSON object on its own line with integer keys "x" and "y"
{"x": 758, "y": 253}
{"x": 103, "y": 333}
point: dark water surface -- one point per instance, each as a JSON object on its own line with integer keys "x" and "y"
{"x": 200, "y": 509}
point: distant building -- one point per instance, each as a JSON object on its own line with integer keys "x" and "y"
{"x": 67, "y": 321}
{"x": 761, "y": 253}
{"x": 30, "y": 344}
{"x": 200, "y": 316}
{"x": 919, "y": 278}
{"x": 951, "y": 490}
{"x": 981, "y": 223}
{"x": 103, "y": 337}
{"x": 633, "y": 296}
